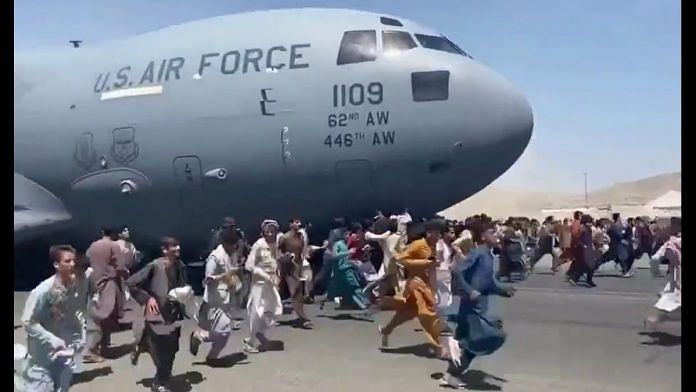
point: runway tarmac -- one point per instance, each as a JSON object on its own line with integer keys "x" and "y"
{"x": 560, "y": 339}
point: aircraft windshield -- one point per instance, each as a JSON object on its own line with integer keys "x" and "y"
{"x": 397, "y": 41}
{"x": 440, "y": 43}
{"x": 357, "y": 47}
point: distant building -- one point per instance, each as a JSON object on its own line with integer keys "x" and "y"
{"x": 666, "y": 205}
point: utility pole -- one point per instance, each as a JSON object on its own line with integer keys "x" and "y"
{"x": 586, "y": 204}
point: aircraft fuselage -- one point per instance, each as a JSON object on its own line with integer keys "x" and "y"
{"x": 169, "y": 131}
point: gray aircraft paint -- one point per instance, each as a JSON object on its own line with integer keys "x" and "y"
{"x": 267, "y": 128}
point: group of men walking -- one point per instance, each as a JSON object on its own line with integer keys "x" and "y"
{"x": 77, "y": 309}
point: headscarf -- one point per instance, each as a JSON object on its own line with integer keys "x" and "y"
{"x": 403, "y": 219}
{"x": 269, "y": 223}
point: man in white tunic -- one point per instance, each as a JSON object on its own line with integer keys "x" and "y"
{"x": 264, "y": 300}
{"x": 443, "y": 275}
{"x": 53, "y": 320}
{"x": 387, "y": 236}
{"x": 222, "y": 287}
{"x": 670, "y": 297}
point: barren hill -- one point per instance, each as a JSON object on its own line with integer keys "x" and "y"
{"x": 639, "y": 192}
{"x": 506, "y": 202}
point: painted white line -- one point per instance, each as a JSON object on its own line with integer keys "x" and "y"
{"x": 132, "y": 92}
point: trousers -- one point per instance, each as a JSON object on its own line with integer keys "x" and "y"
{"x": 162, "y": 349}
{"x": 466, "y": 358}
{"x": 258, "y": 325}
{"x": 430, "y": 322}
{"x": 98, "y": 334}
{"x": 48, "y": 378}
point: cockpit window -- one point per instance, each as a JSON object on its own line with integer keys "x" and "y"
{"x": 440, "y": 43}
{"x": 396, "y": 41}
{"x": 390, "y": 21}
{"x": 357, "y": 47}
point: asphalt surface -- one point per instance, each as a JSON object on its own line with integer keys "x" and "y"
{"x": 560, "y": 338}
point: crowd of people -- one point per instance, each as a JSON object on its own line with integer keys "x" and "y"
{"x": 585, "y": 242}
{"x": 439, "y": 272}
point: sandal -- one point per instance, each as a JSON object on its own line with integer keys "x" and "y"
{"x": 384, "y": 338}
{"x": 305, "y": 324}
{"x": 134, "y": 356}
{"x": 92, "y": 358}
{"x": 248, "y": 348}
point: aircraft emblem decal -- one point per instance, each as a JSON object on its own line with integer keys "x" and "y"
{"x": 124, "y": 148}
{"x": 84, "y": 151}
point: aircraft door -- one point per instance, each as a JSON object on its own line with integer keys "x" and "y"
{"x": 356, "y": 184}
{"x": 291, "y": 115}
{"x": 188, "y": 173}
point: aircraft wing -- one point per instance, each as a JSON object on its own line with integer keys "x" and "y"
{"x": 36, "y": 210}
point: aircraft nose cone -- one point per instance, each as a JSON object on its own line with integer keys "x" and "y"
{"x": 499, "y": 114}
{"x": 521, "y": 117}
{"x": 512, "y": 113}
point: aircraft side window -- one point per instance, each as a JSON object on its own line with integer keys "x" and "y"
{"x": 357, "y": 47}
{"x": 397, "y": 41}
{"x": 440, "y": 43}
{"x": 430, "y": 86}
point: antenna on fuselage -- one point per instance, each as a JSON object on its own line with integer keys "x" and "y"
{"x": 75, "y": 43}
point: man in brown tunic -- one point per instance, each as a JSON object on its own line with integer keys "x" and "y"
{"x": 292, "y": 250}
{"x": 107, "y": 294}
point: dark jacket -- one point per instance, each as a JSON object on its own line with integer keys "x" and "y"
{"x": 588, "y": 252}
{"x": 615, "y": 233}
{"x": 154, "y": 281}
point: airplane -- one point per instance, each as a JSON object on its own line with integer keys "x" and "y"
{"x": 306, "y": 112}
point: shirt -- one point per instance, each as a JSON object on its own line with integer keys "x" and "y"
{"x": 389, "y": 243}
{"x": 53, "y": 316}
{"x": 575, "y": 232}
{"x": 357, "y": 242}
{"x": 126, "y": 255}
{"x": 416, "y": 261}
{"x": 293, "y": 243}
{"x": 444, "y": 255}
{"x": 262, "y": 262}
{"x": 102, "y": 253}
{"x": 219, "y": 262}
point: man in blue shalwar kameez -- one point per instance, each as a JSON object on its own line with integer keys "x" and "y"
{"x": 53, "y": 319}
{"x": 477, "y": 332}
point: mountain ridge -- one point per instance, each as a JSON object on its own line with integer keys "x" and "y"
{"x": 500, "y": 202}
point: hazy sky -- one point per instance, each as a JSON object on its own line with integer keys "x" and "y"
{"x": 603, "y": 77}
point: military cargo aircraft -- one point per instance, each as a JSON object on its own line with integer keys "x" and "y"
{"x": 300, "y": 112}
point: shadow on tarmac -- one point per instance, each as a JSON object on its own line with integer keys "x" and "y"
{"x": 475, "y": 380}
{"x": 116, "y": 352}
{"x": 346, "y": 316}
{"x": 89, "y": 375}
{"x": 423, "y": 350}
{"x": 661, "y": 339}
{"x": 179, "y": 383}
{"x": 227, "y": 361}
